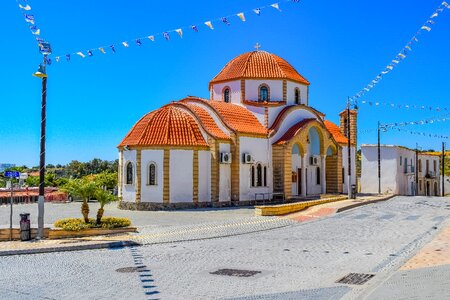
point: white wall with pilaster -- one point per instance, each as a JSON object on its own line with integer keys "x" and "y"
{"x": 261, "y": 151}
{"x": 235, "y": 91}
{"x": 369, "y": 169}
{"x": 291, "y": 93}
{"x": 225, "y": 175}
{"x": 129, "y": 190}
{"x": 152, "y": 193}
{"x": 345, "y": 166}
{"x": 275, "y": 89}
{"x": 181, "y": 175}
{"x": 204, "y": 176}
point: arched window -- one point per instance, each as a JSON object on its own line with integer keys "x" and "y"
{"x": 226, "y": 95}
{"x": 152, "y": 174}
{"x": 297, "y": 96}
{"x": 263, "y": 93}
{"x": 129, "y": 173}
{"x": 252, "y": 175}
{"x": 258, "y": 175}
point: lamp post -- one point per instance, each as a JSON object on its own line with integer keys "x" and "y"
{"x": 45, "y": 50}
{"x": 349, "y": 159}
{"x": 379, "y": 160}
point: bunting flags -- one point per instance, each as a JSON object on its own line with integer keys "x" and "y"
{"x": 166, "y": 34}
{"x": 426, "y": 27}
{"x": 405, "y": 106}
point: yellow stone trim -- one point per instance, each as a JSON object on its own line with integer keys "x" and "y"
{"x": 195, "y": 177}
{"x": 242, "y": 90}
{"x": 138, "y": 175}
{"x": 215, "y": 169}
{"x": 284, "y": 90}
{"x": 283, "y": 209}
{"x": 235, "y": 167}
{"x": 166, "y": 176}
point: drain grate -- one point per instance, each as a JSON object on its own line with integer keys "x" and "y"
{"x": 355, "y": 278}
{"x": 129, "y": 269}
{"x": 235, "y": 272}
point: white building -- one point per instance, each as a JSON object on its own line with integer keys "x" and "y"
{"x": 398, "y": 171}
{"x": 255, "y": 136}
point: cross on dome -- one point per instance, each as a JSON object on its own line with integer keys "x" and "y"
{"x": 257, "y": 46}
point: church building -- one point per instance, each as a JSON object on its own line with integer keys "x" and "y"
{"x": 257, "y": 136}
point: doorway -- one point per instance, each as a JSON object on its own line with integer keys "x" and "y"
{"x": 299, "y": 181}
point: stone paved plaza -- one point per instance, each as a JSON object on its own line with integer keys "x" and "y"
{"x": 295, "y": 261}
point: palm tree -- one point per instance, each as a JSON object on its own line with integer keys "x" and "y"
{"x": 84, "y": 189}
{"x": 103, "y": 197}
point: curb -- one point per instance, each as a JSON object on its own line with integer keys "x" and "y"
{"x": 342, "y": 209}
{"x": 120, "y": 244}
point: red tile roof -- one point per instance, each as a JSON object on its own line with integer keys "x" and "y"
{"x": 167, "y": 126}
{"x": 258, "y": 64}
{"x": 236, "y": 117}
{"x": 336, "y": 132}
{"x": 288, "y": 109}
{"x": 291, "y": 132}
{"x": 207, "y": 121}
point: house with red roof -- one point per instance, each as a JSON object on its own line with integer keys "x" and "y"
{"x": 257, "y": 136}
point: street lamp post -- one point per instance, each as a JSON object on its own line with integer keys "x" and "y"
{"x": 45, "y": 50}
{"x": 379, "y": 160}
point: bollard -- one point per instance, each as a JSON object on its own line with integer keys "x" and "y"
{"x": 25, "y": 231}
{"x": 353, "y": 191}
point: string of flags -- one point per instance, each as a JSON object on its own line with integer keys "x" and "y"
{"x": 404, "y": 106}
{"x": 168, "y": 35}
{"x": 431, "y": 135}
{"x": 426, "y": 27}
{"x": 29, "y": 18}
{"x": 419, "y": 122}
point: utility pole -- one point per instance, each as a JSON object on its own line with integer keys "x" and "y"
{"x": 45, "y": 50}
{"x": 349, "y": 192}
{"x": 417, "y": 169}
{"x": 443, "y": 169}
{"x": 379, "y": 160}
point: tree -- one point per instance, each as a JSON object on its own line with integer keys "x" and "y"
{"x": 103, "y": 197}
{"x": 106, "y": 179}
{"x": 84, "y": 189}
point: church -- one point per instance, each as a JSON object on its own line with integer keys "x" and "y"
{"x": 255, "y": 137}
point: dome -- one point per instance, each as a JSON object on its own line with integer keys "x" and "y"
{"x": 258, "y": 64}
{"x": 167, "y": 126}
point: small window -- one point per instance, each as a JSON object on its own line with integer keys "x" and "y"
{"x": 252, "y": 175}
{"x": 343, "y": 175}
{"x": 129, "y": 173}
{"x": 263, "y": 93}
{"x": 265, "y": 177}
{"x": 152, "y": 174}
{"x": 297, "y": 96}
{"x": 226, "y": 95}
{"x": 434, "y": 166}
{"x": 420, "y": 184}
{"x": 400, "y": 160}
{"x": 420, "y": 165}
{"x": 318, "y": 176}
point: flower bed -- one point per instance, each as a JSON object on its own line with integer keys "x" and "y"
{"x": 72, "y": 224}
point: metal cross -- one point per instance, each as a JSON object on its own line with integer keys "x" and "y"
{"x": 257, "y": 46}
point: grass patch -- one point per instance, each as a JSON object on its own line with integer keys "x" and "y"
{"x": 73, "y": 224}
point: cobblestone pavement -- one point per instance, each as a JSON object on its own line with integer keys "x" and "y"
{"x": 296, "y": 261}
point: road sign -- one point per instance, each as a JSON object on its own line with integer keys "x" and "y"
{"x": 12, "y": 174}
{"x": 23, "y": 176}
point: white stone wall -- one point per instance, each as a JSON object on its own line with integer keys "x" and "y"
{"x": 312, "y": 188}
{"x": 204, "y": 176}
{"x": 345, "y": 166}
{"x": 152, "y": 193}
{"x": 291, "y": 93}
{"x": 181, "y": 174}
{"x": 296, "y": 164}
{"x": 260, "y": 150}
{"x": 225, "y": 175}
{"x": 275, "y": 89}
{"x": 235, "y": 91}
{"x": 129, "y": 190}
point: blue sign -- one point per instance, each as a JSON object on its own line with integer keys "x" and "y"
{"x": 12, "y": 174}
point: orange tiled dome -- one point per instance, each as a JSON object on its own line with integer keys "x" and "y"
{"x": 258, "y": 64}
{"x": 167, "y": 126}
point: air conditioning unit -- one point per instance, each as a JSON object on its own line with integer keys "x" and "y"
{"x": 247, "y": 158}
{"x": 225, "y": 158}
{"x": 314, "y": 160}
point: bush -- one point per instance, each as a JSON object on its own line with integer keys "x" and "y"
{"x": 72, "y": 224}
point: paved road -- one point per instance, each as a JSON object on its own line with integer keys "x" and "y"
{"x": 298, "y": 261}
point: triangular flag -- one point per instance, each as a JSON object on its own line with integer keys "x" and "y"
{"x": 36, "y": 32}
{"x": 208, "y": 23}
{"x": 426, "y": 28}
{"x": 195, "y": 28}
{"x": 81, "y": 54}
{"x": 180, "y": 32}
{"x": 151, "y": 38}
{"x": 241, "y": 16}
{"x": 29, "y": 18}
{"x": 434, "y": 15}
{"x": 90, "y": 53}
{"x": 113, "y": 48}
{"x": 68, "y": 57}
{"x": 57, "y": 59}
{"x": 257, "y": 11}
{"x": 225, "y": 21}
{"x": 446, "y": 4}
{"x": 408, "y": 47}
{"x": 125, "y": 44}
{"x": 166, "y": 35}
{"x": 138, "y": 42}
{"x": 402, "y": 55}
{"x": 26, "y": 7}
{"x": 276, "y": 6}
{"x": 102, "y": 50}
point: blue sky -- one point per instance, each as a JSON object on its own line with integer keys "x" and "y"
{"x": 339, "y": 46}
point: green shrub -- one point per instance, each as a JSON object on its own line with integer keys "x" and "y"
{"x": 72, "y": 224}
